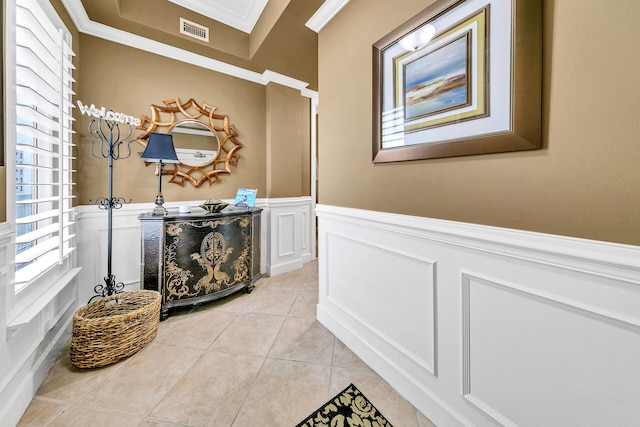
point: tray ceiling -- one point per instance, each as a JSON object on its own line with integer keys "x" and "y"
{"x": 239, "y": 14}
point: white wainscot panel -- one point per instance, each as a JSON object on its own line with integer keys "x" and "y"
{"x": 308, "y": 244}
{"x": 125, "y": 254}
{"x": 93, "y": 247}
{"x": 385, "y": 293}
{"x": 291, "y": 234}
{"x": 287, "y": 234}
{"x": 534, "y": 361}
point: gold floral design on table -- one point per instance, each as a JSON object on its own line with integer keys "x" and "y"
{"x": 212, "y": 254}
{"x": 349, "y": 408}
{"x": 173, "y": 229}
{"x": 240, "y": 265}
{"x": 177, "y": 277}
{"x": 215, "y": 267}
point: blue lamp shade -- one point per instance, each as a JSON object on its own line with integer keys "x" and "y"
{"x": 160, "y": 149}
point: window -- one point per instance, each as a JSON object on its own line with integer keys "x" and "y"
{"x": 43, "y": 141}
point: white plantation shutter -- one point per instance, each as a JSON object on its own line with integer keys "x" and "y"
{"x": 43, "y": 146}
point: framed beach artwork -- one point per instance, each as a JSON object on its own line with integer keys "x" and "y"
{"x": 463, "y": 77}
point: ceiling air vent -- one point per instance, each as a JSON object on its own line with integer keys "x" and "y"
{"x": 194, "y": 30}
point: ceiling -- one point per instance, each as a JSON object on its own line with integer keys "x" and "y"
{"x": 277, "y": 39}
{"x": 239, "y": 14}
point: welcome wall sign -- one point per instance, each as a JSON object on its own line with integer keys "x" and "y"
{"x": 110, "y": 115}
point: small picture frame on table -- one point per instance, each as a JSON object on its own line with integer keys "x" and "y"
{"x": 246, "y": 197}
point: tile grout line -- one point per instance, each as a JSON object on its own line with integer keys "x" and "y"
{"x": 301, "y": 290}
{"x": 170, "y": 389}
{"x": 264, "y": 359}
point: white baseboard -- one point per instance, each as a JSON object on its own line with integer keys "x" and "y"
{"x": 31, "y": 335}
{"x": 284, "y": 267}
{"x": 33, "y": 369}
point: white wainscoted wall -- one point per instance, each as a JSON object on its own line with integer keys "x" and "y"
{"x": 483, "y": 326}
{"x": 291, "y": 234}
{"x": 31, "y": 336}
{"x": 286, "y": 240}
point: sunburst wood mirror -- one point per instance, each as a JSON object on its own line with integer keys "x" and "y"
{"x": 205, "y": 142}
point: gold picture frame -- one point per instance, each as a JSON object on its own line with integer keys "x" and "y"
{"x": 475, "y": 88}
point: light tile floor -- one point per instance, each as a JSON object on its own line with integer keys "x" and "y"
{"x": 248, "y": 360}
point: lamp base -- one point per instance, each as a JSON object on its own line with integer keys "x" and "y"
{"x": 159, "y": 210}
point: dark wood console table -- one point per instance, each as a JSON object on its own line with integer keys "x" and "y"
{"x": 198, "y": 257}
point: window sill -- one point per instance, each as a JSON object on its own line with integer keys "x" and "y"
{"x": 34, "y": 309}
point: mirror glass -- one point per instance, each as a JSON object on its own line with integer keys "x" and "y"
{"x": 196, "y": 144}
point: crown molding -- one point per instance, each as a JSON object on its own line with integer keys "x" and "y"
{"x": 272, "y": 77}
{"x": 327, "y": 11}
{"x": 85, "y": 25}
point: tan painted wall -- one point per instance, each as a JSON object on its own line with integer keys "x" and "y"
{"x": 268, "y": 18}
{"x": 584, "y": 182}
{"x": 305, "y": 113}
{"x": 129, "y": 81}
{"x": 3, "y": 194}
{"x": 291, "y": 48}
{"x": 165, "y": 18}
{"x": 284, "y": 150}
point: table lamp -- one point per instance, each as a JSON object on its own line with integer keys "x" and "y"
{"x": 160, "y": 150}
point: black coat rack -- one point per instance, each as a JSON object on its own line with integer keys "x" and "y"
{"x": 106, "y": 143}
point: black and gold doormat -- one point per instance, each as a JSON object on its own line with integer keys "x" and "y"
{"x": 349, "y": 408}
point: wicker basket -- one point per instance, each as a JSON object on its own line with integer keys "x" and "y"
{"x": 113, "y": 328}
